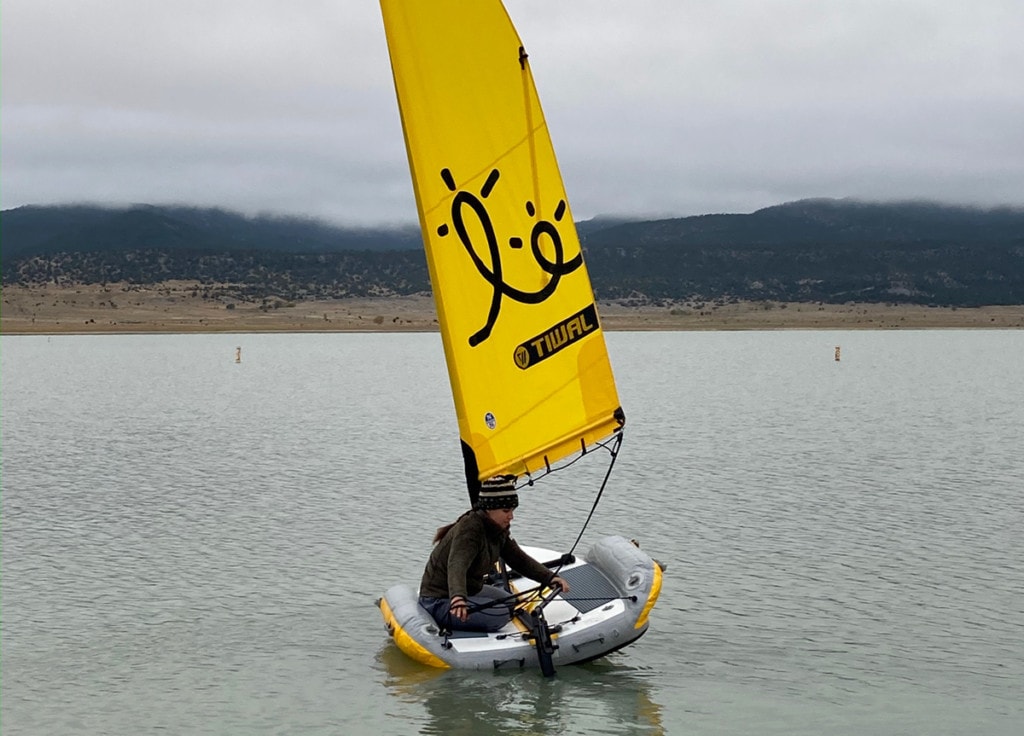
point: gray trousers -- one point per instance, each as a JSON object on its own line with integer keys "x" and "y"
{"x": 486, "y": 614}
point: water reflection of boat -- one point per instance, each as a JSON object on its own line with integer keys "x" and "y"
{"x": 596, "y": 697}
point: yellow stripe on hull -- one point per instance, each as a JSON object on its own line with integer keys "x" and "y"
{"x": 406, "y": 643}
{"x": 652, "y": 598}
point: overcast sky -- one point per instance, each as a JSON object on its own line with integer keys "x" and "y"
{"x": 656, "y": 107}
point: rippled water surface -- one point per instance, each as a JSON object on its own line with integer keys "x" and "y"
{"x": 194, "y": 545}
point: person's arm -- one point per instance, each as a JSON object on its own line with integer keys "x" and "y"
{"x": 528, "y": 567}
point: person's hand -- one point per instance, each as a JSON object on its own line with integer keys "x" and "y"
{"x": 459, "y": 608}
{"x": 557, "y": 582}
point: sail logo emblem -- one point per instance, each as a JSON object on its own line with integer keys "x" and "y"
{"x": 562, "y": 335}
{"x": 468, "y": 205}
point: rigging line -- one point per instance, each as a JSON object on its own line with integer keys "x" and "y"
{"x": 602, "y": 445}
{"x": 615, "y": 453}
{"x": 523, "y": 596}
{"x": 512, "y": 598}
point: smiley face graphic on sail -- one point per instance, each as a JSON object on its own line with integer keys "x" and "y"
{"x": 543, "y": 233}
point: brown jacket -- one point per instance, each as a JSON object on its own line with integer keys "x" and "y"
{"x": 469, "y": 550}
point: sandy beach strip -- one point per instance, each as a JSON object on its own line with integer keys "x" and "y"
{"x": 180, "y": 307}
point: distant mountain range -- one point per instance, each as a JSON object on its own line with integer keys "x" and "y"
{"x": 31, "y": 231}
{"x": 810, "y": 250}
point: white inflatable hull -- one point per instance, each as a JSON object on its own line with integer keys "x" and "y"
{"x": 613, "y": 589}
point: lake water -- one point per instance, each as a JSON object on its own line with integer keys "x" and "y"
{"x": 193, "y": 545}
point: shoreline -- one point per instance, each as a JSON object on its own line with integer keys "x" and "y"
{"x": 178, "y": 307}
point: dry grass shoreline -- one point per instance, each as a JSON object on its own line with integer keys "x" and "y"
{"x": 177, "y": 307}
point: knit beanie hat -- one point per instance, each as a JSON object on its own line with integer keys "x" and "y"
{"x": 498, "y": 492}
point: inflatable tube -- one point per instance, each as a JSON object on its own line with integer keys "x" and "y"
{"x": 612, "y": 591}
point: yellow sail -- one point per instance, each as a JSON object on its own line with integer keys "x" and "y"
{"x": 526, "y": 354}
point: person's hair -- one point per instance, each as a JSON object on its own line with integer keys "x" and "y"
{"x": 442, "y": 531}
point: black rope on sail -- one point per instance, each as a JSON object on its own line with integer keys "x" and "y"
{"x": 613, "y": 446}
{"x": 614, "y": 450}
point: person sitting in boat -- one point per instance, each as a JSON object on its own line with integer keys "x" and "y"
{"x": 452, "y": 589}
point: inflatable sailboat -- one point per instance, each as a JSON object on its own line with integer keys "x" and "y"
{"x": 526, "y": 355}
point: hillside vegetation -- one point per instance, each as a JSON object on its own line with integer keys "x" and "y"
{"x": 828, "y": 251}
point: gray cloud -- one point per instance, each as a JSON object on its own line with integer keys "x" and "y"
{"x": 655, "y": 106}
